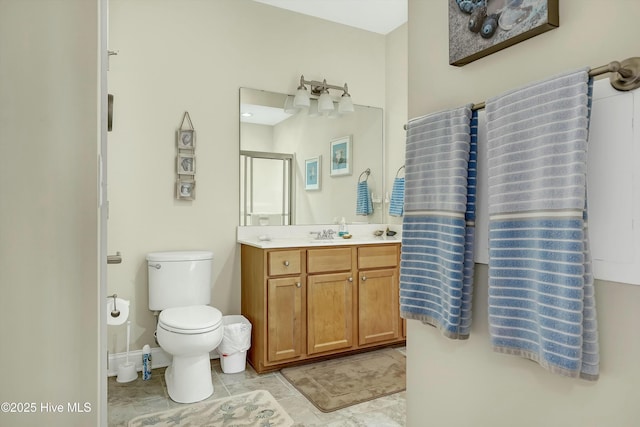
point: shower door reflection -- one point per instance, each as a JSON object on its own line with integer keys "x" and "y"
{"x": 265, "y": 188}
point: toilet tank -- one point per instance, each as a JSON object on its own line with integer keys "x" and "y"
{"x": 179, "y": 278}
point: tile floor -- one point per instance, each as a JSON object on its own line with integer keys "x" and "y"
{"x": 127, "y": 401}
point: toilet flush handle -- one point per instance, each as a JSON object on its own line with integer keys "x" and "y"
{"x": 156, "y": 266}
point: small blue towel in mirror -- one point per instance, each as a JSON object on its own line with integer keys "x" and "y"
{"x": 364, "y": 206}
{"x": 396, "y": 205}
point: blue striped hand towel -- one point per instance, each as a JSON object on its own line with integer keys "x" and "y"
{"x": 436, "y": 269}
{"x": 364, "y": 206}
{"x": 541, "y": 297}
{"x": 396, "y": 205}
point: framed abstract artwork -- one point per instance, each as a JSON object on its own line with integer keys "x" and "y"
{"x": 186, "y": 164}
{"x": 186, "y": 160}
{"x": 186, "y": 139}
{"x": 185, "y": 189}
{"x": 478, "y": 28}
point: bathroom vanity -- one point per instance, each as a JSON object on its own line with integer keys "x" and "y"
{"x": 319, "y": 299}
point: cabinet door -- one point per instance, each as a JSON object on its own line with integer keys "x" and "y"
{"x": 330, "y": 312}
{"x": 378, "y": 306}
{"x": 285, "y": 318}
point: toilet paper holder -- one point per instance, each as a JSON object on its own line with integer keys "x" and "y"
{"x": 114, "y": 259}
{"x": 115, "y": 312}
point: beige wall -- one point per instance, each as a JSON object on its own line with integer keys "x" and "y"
{"x": 194, "y": 55}
{"x": 396, "y": 109}
{"x": 465, "y": 383}
{"x": 49, "y": 124}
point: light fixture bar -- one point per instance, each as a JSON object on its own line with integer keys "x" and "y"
{"x": 321, "y": 90}
{"x": 316, "y": 86}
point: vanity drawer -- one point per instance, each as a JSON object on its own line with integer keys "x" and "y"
{"x": 328, "y": 260}
{"x": 378, "y": 256}
{"x": 281, "y": 263}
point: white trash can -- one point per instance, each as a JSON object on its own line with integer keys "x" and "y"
{"x": 235, "y": 343}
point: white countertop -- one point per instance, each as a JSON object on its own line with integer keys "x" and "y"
{"x": 269, "y": 237}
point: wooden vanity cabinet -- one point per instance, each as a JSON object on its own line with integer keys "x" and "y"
{"x": 310, "y": 302}
{"x": 378, "y": 294}
{"x": 273, "y": 299}
{"x": 285, "y": 315}
{"x": 330, "y": 298}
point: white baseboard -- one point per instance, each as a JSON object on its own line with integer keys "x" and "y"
{"x": 159, "y": 359}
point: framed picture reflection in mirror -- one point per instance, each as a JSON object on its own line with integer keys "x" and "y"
{"x": 312, "y": 171}
{"x": 341, "y": 156}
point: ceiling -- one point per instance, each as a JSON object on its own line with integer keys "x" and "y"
{"x": 378, "y": 16}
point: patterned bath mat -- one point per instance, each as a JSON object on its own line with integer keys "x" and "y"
{"x": 256, "y": 408}
{"x": 338, "y": 383}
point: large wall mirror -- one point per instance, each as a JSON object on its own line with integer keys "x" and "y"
{"x": 301, "y": 168}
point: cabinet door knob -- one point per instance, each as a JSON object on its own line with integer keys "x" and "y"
{"x": 298, "y": 284}
{"x": 286, "y": 263}
{"x": 364, "y": 278}
{"x": 350, "y": 279}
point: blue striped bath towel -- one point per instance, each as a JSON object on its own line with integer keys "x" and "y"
{"x": 436, "y": 269}
{"x": 396, "y": 205}
{"x": 541, "y": 297}
{"x": 364, "y": 206}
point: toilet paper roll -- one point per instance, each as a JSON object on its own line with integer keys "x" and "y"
{"x": 123, "y": 306}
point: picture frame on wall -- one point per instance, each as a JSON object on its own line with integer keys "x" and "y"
{"x": 186, "y": 164}
{"x": 341, "y": 157}
{"x": 185, "y": 189}
{"x": 478, "y": 28}
{"x": 312, "y": 173}
{"x": 186, "y": 139}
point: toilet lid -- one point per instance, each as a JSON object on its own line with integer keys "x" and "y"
{"x": 194, "y": 319}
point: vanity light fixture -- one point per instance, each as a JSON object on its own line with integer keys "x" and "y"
{"x": 345, "y": 105}
{"x": 313, "y": 108}
{"x": 325, "y": 103}
{"x": 321, "y": 90}
{"x": 335, "y": 113}
{"x": 301, "y": 100}
{"x": 288, "y": 105}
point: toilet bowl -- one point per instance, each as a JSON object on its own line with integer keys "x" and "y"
{"x": 188, "y": 327}
{"x": 189, "y": 334}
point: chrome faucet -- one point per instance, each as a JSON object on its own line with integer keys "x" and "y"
{"x": 324, "y": 234}
{"x": 328, "y": 234}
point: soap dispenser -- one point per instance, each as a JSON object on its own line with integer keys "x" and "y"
{"x": 342, "y": 230}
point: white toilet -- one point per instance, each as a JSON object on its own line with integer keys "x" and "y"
{"x": 188, "y": 328}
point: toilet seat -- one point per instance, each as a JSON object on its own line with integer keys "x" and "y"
{"x": 194, "y": 319}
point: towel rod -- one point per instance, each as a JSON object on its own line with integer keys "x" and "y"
{"x": 625, "y": 76}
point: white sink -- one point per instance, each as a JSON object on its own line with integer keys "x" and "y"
{"x": 327, "y": 241}
{"x": 336, "y": 241}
